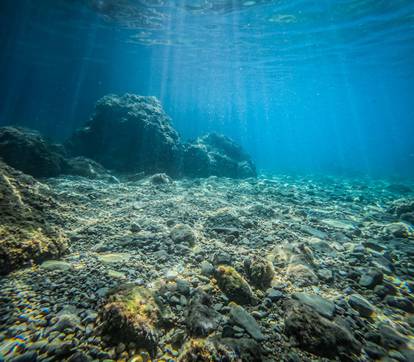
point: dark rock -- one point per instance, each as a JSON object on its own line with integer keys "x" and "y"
{"x": 79, "y": 357}
{"x": 391, "y": 339}
{"x": 217, "y": 155}
{"x": 30, "y": 356}
{"x": 374, "y": 350}
{"x": 274, "y": 295}
{"x": 29, "y": 215}
{"x": 129, "y": 133}
{"x": 385, "y": 289}
{"x": 401, "y": 206}
{"x": 318, "y": 335}
{"x": 28, "y": 151}
{"x": 371, "y": 278}
{"x": 201, "y": 319}
{"x": 400, "y": 303}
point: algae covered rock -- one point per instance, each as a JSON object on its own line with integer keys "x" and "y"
{"x": 215, "y": 349}
{"x": 129, "y": 133}
{"x": 182, "y": 233}
{"x": 215, "y": 154}
{"x": 131, "y": 314}
{"x": 260, "y": 272}
{"x": 27, "y": 151}
{"x": 233, "y": 285}
{"x": 319, "y": 335}
{"x": 29, "y": 219}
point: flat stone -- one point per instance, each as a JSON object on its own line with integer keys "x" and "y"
{"x": 56, "y": 265}
{"x": 324, "y": 307}
{"x": 361, "y": 305}
{"x": 242, "y": 318}
{"x": 112, "y": 258}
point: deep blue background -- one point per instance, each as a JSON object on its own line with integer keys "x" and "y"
{"x": 332, "y": 115}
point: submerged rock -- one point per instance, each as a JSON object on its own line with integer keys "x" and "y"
{"x": 129, "y": 133}
{"x": 28, "y": 221}
{"x": 360, "y": 304}
{"x": 318, "y": 335}
{"x": 217, "y": 155}
{"x": 182, "y": 233}
{"x": 240, "y": 317}
{"x": 201, "y": 319}
{"x": 324, "y": 307}
{"x": 233, "y": 285}
{"x": 85, "y": 167}
{"x": 27, "y": 151}
{"x": 131, "y": 314}
{"x": 217, "y": 349}
{"x": 260, "y": 271}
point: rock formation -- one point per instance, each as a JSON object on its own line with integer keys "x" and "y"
{"x": 27, "y": 151}
{"x": 217, "y": 155}
{"x": 129, "y": 133}
{"x": 28, "y": 215}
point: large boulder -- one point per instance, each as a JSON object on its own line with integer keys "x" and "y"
{"x": 29, "y": 216}
{"x": 216, "y": 155}
{"x": 319, "y": 335}
{"x": 129, "y": 133}
{"x": 27, "y": 151}
{"x": 131, "y": 314}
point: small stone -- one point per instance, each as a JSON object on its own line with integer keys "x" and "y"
{"x": 371, "y": 278}
{"x": 274, "y": 295}
{"x": 400, "y": 303}
{"x": 207, "y": 268}
{"x": 182, "y": 233}
{"x": 374, "y": 350}
{"x": 361, "y": 305}
{"x": 325, "y": 274}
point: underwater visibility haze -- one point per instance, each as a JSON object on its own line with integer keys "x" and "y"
{"x": 206, "y": 180}
{"x": 304, "y": 86}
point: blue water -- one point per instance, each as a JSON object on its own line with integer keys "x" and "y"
{"x": 305, "y": 86}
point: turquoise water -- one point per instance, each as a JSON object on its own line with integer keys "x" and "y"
{"x": 305, "y": 86}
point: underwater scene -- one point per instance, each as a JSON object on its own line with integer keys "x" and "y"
{"x": 206, "y": 180}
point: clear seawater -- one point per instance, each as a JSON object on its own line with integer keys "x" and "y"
{"x": 306, "y": 86}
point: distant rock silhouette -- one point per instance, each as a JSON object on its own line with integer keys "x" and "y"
{"x": 215, "y": 154}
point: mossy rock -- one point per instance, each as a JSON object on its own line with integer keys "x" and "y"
{"x": 260, "y": 272}
{"x": 233, "y": 285}
{"x": 29, "y": 219}
{"x": 216, "y": 349}
{"x": 131, "y": 314}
